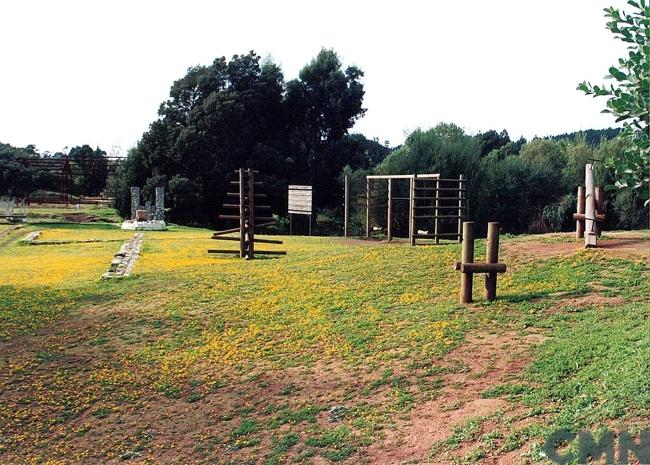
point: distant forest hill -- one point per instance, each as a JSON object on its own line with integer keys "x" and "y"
{"x": 592, "y": 136}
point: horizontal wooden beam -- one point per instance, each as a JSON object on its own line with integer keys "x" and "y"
{"x": 225, "y": 231}
{"x": 257, "y": 183}
{"x": 437, "y": 216}
{"x": 262, "y": 241}
{"x": 581, "y": 217}
{"x": 236, "y": 205}
{"x": 270, "y": 252}
{"x": 439, "y": 207}
{"x": 480, "y": 267}
{"x": 434, "y": 236}
{"x": 455, "y": 189}
{"x": 236, "y": 194}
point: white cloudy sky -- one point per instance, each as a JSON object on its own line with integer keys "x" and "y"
{"x": 95, "y": 72}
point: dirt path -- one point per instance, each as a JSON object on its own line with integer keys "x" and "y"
{"x": 491, "y": 359}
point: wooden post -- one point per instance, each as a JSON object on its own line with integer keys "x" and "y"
{"x": 346, "y": 209}
{"x": 367, "y": 207}
{"x": 580, "y": 225}
{"x": 461, "y": 184}
{"x": 412, "y": 209}
{"x": 600, "y": 208}
{"x": 251, "y": 214}
{"x": 436, "y": 220}
{"x": 389, "y": 219}
{"x": 590, "y": 207}
{"x": 242, "y": 212}
{"x": 467, "y": 256}
{"x": 492, "y": 256}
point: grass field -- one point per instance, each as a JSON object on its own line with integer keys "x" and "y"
{"x": 343, "y": 351}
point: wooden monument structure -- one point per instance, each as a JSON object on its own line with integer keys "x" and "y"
{"x": 590, "y": 213}
{"x": 491, "y": 267}
{"x": 436, "y": 206}
{"x": 250, "y": 217}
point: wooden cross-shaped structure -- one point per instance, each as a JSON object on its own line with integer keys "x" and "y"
{"x": 248, "y": 218}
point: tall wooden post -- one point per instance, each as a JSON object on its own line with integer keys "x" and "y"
{"x": 367, "y": 207}
{"x": 412, "y": 209}
{"x": 492, "y": 256}
{"x": 389, "y": 218}
{"x": 590, "y": 207}
{"x": 600, "y": 208}
{"x": 242, "y": 215}
{"x": 580, "y": 225}
{"x": 466, "y": 279}
{"x": 251, "y": 214}
{"x": 346, "y": 209}
{"x": 436, "y": 228}
{"x": 461, "y": 185}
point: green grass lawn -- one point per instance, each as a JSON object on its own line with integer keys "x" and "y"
{"x": 203, "y": 359}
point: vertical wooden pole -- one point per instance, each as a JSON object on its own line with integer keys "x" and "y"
{"x": 461, "y": 185}
{"x": 580, "y": 224}
{"x": 436, "y": 220}
{"x": 466, "y": 279}
{"x": 412, "y": 209}
{"x": 590, "y": 207}
{"x": 492, "y": 256}
{"x": 389, "y": 218}
{"x": 242, "y": 215}
{"x": 251, "y": 214}
{"x": 346, "y": 209}
{"x": 367, "y": 207}
{"x": 600, "y": 208}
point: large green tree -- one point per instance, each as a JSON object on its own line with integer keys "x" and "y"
{"x": 628, "y": 98}
{"x": 240, "y": 113}
{"x": 322, "y": 105}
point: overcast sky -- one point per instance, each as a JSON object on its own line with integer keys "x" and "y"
{"x": 95, "y": 72}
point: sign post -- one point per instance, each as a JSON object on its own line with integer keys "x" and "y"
{"x": 300, "y": 203}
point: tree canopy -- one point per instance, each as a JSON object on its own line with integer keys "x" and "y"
{"x": 241, "y": 113}
{"x": 628, "y": 98}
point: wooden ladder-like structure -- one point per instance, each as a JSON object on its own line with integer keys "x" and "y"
{"x": 248, "y": 217}
{"x": 441, "y": 200}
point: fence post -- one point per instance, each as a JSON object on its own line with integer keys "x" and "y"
{"x": 600, "y": 208}
{"x": 412, "y": 209}
{"x": 467, "y": 256}
{"x": 242, "y": 212}
{"x": 492, "y": 256}
{"x": 461, "y": 184}
{"x": 580, "y": 225}
{"x": 436, "y": 220}
{"x": 590, "y": 207}
{"x": 389, "y": 219}
{"x": 346, "y": 209}
{"x": 367, "y": 207}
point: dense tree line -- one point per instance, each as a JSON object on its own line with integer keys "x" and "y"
{"x": 242, "y": 113}
{"x": 528, "y": 186}
{"x": 20, "y": 178}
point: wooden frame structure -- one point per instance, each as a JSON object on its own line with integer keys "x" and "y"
{"x": 590, "y": 214}
{"x": 247, "y": 217}
{"x": 491, "y": 267}
{"x": 430, "y": 198}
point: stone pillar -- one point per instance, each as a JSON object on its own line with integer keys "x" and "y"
{"x": 135, "y": 201}
{"x": 160, "y": 204}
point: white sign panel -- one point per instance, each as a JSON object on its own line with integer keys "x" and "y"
{"x": 300, "y": 200}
